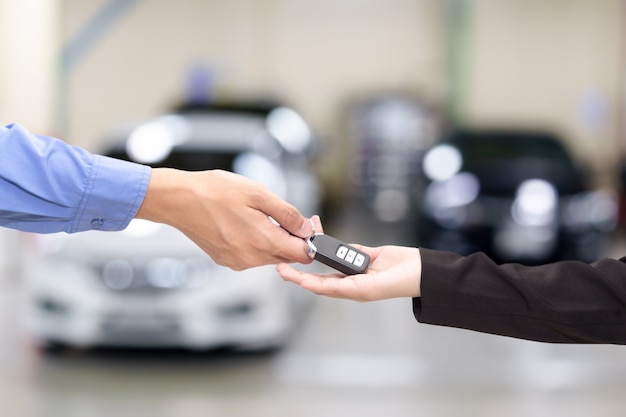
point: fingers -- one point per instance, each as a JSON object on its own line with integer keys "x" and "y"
{"x": 291, "y": 274}
{"x": 286, "y": 215}
{"x": 330, "y": 285}
{"x": 279, "y": 245}
{"x": 292, "y": 249}
{"x": 271, "y": 244}
{"x": 288, "y": 273}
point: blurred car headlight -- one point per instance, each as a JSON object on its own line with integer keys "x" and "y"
{"x": 152, "y": 142}
{"x": 118, "y": 274}
{"x": 459, "y": 190}
{"x": 596, "y": 209}
{"x": 260, "y": 169}
{"x": 442, "y": 162}
{"x": 161, "y": 273}
{"x": 290, "y": 129}
{"x": 446, "y": 201}
{"x": 535, "y": 203}
{"x": 170, "y": 273}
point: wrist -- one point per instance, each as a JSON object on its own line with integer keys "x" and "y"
{"x": 417, "y": 278}
{"x": 166, "y": 191}
{"x": 411, "y": 274}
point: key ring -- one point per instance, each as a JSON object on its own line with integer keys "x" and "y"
{"x": 312, "y": 228}
{"x": 312, "y": 249}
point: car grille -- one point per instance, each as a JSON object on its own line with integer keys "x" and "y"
{"x": 157, "y": 274}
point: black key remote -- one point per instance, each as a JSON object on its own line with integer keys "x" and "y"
{"x": 338, "y": 255}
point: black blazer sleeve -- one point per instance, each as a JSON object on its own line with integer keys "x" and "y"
{"x": 563, "y": 302}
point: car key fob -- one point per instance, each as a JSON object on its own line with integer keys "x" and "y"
{"x": 338, "y": 255}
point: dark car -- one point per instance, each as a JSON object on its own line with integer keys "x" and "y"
{"x": 519, "y": 196}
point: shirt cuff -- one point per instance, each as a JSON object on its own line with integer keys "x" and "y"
{"x": 113, "y": 195}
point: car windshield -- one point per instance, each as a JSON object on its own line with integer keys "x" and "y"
{"x": 189, "y": 159}
{"x": 503, "y": 160}
{"x": 503, "y": 146}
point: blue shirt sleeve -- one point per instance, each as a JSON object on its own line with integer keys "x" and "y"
{"x": 48, "y": 186}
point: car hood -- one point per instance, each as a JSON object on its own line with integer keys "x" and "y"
{"x": 141, "y": 240}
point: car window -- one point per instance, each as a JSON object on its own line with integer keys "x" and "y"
{"x": 190, "y": 159}
{"x": 510, "y": 147}
{"x": 502, "y": 161}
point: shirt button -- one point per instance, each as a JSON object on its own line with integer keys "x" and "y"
{"x": 97, "y": 223}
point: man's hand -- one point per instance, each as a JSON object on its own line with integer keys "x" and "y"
{"x": 395, "y": 271}
{"x": 227, "y": 216}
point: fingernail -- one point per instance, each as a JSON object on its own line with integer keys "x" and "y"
{"x": 307, "y": 228}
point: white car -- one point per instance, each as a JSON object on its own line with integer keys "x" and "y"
{"x": 149, "y": 286}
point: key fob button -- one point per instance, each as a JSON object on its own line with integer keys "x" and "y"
{"x": 341, "y": 252}
{"x": 350, "y": 256}
{"x": 358, "y": 261}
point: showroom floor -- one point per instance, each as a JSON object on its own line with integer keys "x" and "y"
{"x": 348, "y": 359}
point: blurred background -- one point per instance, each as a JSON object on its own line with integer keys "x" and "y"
{"x": 464, "y": 125}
